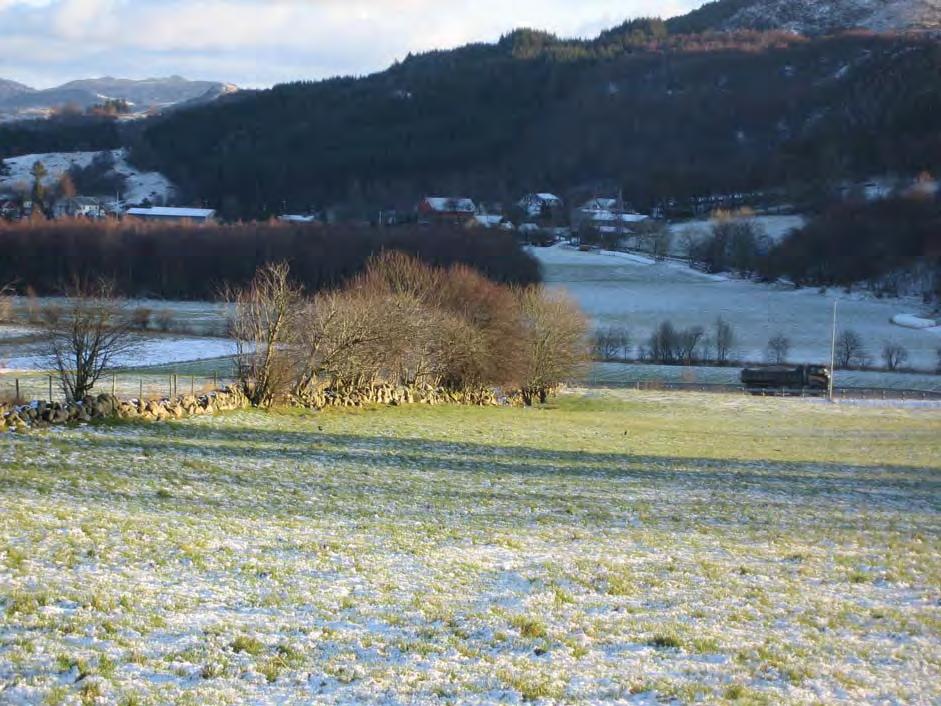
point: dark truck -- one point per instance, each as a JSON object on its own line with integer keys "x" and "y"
{"x": 787, "y": 378}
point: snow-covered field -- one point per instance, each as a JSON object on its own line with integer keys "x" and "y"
{"x": 618, "y": 548}
{"x": 21, "y": 350}
{"x": 197, "y": 317}
{"x": 775, "y": 227}
{"x": 139, "y": 185}
{"x": 639, "y": 294}
{"x": 147, "y": 352}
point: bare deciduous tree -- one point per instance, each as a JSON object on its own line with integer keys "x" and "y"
{"x": 778, "y": 349}
{"x": 555, "y": 336}
{"x": 6, "y": 303}
{"x": 264, "y": 326}
{"x": 612, "y": 343}
{"x": 661, "y": 347}
{"x": 894, "y": 355}
{"x": 86, "y": 336}
{"x": 724, "y": 341}
{"x": 689, "y": 342}
{"x": 851, "y": 351}
{"x": 341, "y": 340}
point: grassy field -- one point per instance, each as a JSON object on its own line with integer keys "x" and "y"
{"x": 623, "y": 547}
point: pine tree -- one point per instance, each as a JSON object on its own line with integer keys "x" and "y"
{"x": 39, "y": 190}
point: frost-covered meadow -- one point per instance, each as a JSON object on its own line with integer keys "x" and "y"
{"x": 633, "y": 548}
{"x": 639, "y": 294}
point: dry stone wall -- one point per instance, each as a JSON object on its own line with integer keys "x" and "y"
{"x": 40, "y": 414}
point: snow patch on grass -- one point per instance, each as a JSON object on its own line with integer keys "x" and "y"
{"x": 615, "y": 548}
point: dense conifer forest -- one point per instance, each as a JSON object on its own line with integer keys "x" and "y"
{"x": 661, "y": 115}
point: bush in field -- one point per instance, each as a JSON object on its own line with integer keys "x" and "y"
{"x": 6, "y": 304}
{"x": 404, "y": 322}
{"x": 668, "y": 345}
{"x": 140, "y": 317}
{"x": 264, "y": 327}
{"x": 735, "y": 245}
{"x": 724, "y": 341}
{"x": 894, "y": 355}
{"x": 554, "y": 339}
{"x": 164, "y": 320}
{"x": 851, "y": 351}
{"x": 778, "y": 349}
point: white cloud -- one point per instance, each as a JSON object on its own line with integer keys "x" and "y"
{"x": 261, "y": 42}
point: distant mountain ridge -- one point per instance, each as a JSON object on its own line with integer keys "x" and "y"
{"x": 12, "y": 88}
{"x": 143, "y": 96}
{"x": 813, "y": 17}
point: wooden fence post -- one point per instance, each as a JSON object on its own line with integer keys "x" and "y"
{"x": 50, "y": 388}
{"x": 17, "y": 398}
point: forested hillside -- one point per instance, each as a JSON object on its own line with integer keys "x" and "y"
{"x": 661, "y": 115}
{"x": 81, "y": 133}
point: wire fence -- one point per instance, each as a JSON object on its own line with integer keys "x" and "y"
{"x": 24, "y": 388}
{"x": 157, "y": 386}
{"x": 845, "y": 393}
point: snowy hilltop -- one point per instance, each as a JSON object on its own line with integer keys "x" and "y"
{"x": 815, "y": 17}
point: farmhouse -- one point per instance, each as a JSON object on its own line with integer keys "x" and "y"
{"x": 80, "y": 206}
{"x": 166, "y": 214}
{"x": 9, "y": 208}
{"x": 608, "y": 216}
{"x": 446, "y": 209}
{"x": 298, "y": 218}
{"x": 536, "y": 205}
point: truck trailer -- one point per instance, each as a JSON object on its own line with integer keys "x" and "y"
{"x": 787, "y": 378}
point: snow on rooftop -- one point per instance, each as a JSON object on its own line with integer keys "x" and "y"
{"x": 448, "y": 204}
{"x": 607, "y": 216}
{"x": 489, "y": 221}
{"x": 169, "y": 212}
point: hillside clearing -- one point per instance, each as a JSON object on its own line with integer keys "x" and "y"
{"x": 139, "y": 186}
{"x": 619, "y": 547}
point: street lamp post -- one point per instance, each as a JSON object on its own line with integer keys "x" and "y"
{"x": 833, "y": 353}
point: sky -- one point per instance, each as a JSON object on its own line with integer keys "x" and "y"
{"x": 257, "y": 43}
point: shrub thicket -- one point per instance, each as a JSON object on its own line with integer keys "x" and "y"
{"x": 403, "y": 322}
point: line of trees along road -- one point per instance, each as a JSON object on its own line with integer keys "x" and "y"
{"x": 195, "y": 262}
